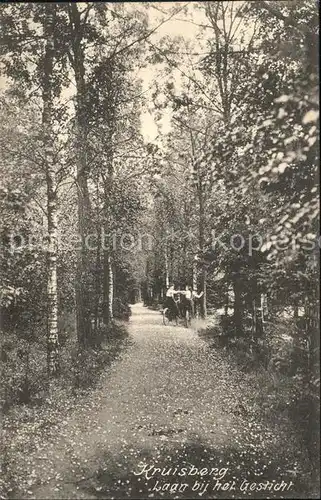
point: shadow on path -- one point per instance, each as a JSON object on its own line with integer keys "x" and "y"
{"x": 169, "y": 401}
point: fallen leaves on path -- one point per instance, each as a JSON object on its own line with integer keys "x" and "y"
{"x": 169, "y": 399}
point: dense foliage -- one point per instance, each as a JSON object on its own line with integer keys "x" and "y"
{"x": 96, "y": 214}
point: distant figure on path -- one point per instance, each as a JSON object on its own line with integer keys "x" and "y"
{"x": 170, "y": 301}
{"x": 187, "y": 300}
{"x": 190, "y": 299}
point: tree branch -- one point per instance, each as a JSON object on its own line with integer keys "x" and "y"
{"x": 147, "y": 35}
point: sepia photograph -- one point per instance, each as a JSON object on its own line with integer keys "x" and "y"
{"x": 159, "y": 250}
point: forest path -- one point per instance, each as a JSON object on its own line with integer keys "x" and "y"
{"x": 169, "y": 400}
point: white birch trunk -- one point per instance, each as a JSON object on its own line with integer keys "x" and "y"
{"x": 110, "y": 289}
{"x": 47, "y": 95}
{"x": 204, "y": 282}
{"x": 53, "y": 344}
{"x": 194, "y": 277}
{"x": 166, "y": 269}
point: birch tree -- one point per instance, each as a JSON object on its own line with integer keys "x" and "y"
{"x": 47, "y": 121}
{"x": 34, "y": 71}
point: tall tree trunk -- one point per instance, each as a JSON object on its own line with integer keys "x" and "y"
{"x": 166, "y": 268}
{"x": 194, "y": 275}
{"x": 83, "y": 263}
{"x": 264, "y": 308}
{"x": 82, "y": 279}
{"x": 254, "y": 316}
{"x": 47, "y": 95}
{"x": 98, "y": 262}
{"x": 98, "y": 282}
{"x": 108, "y": 267}
{"x": 202, "y": 245}
{"x": 53, "y": 345}
{"x": 237, "y": 305}
{"x": 204, "y": 296}
{"x": 108, "y": 288}
{"x": 171, "y": 263}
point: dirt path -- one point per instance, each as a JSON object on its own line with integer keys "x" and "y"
{"x": 169, "y": 401}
